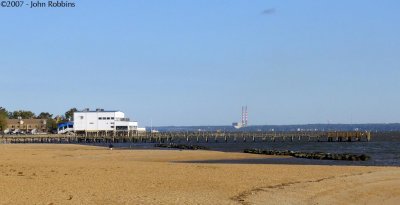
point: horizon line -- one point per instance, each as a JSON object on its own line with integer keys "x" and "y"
{"x": 375, "y": 123}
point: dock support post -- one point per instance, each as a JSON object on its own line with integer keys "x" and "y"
{"x": 113, "y": 138}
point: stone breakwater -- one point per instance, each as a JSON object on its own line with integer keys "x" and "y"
{"x": 181, "y": 146}
{"x": 311, "y": 155}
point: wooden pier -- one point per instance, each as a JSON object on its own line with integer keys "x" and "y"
{"x": 189, "y": 137}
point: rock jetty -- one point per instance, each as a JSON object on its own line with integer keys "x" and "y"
{"x": 181, "y": 146}
{"x": 311, "y": 155}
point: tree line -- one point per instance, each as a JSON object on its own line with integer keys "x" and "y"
{"x": 52, "y": 120}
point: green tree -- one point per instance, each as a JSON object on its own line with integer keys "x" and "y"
{"x": 3, "y": 118}
{"x": 21, "y": 113}
{"x": 70, "y": 113}
{"x": 51, "y": 124}
{"x": 44, "y": 115}
{"x": 60, "y": 119}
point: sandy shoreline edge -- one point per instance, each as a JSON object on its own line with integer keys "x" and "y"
{"x": 78, "y": 174}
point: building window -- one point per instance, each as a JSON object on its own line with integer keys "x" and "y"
{"x": 104, "y": 118}
{"x": 112, "y": 118}
{"x": 112, "y": 126}
{"x": 108, "y": 118}
{"x": 100, "y": 118}
{"x": 81, "y": 117}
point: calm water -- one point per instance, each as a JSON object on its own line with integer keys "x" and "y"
{"x": 384, "y": 151}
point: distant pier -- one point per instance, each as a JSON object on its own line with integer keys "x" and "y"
{"x": 189, "y": 137}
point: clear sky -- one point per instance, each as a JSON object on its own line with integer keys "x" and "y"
{"x": 181, "y": 62}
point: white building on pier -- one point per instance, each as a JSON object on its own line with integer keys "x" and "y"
{"x": 103, "y": 121}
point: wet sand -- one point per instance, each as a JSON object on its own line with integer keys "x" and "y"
{"x": 75, "y": 174}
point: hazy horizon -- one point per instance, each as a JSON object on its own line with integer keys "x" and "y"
{"x": 184, "y": 63}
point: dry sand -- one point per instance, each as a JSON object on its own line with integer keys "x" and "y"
{"x": 74, "y": 174}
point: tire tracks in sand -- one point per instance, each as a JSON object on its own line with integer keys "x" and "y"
{"x": 319, "y": 191}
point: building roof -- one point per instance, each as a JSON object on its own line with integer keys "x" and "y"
{"x": 65, "y": 124}
{"x": 100, "y": 111}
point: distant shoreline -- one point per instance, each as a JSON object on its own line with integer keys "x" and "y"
{"x": 373, "y": 127}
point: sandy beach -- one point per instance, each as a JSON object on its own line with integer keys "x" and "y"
{"x": 76, "y": 174}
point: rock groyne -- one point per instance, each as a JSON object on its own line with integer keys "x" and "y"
{"x": 311, "y": 155}
{"x": 181, "y": 146}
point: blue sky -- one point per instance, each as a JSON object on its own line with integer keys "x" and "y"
{"x": 183, "y": 62}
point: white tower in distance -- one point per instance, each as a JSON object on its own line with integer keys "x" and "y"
{"x": 244, "y": 116}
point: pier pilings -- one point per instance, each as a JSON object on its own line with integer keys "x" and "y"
{"x": 188, "y": 137}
